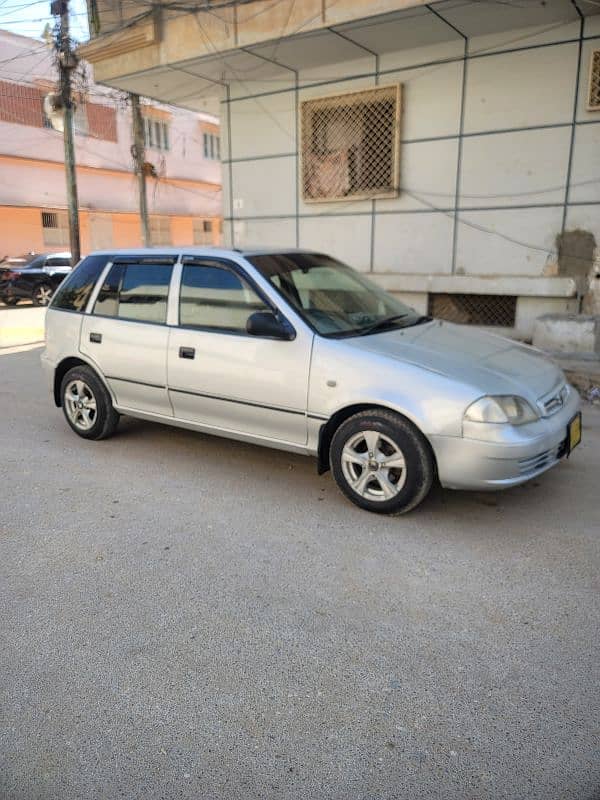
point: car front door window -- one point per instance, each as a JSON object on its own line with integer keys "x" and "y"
{"x": 214, "y": 297}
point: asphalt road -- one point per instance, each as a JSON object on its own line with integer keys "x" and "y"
{"x": 188, "y": 617}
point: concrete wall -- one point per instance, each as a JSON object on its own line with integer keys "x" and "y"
{"x": 21, "y": 231}
{"x": 494, "y": 163}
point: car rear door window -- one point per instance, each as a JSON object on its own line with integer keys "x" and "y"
{"x": 215, "y": 297}
{"x": 75, "y": 291}
{"x": 136, "y": 292}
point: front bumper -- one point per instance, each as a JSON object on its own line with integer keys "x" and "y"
{"x": 517, "y": 455}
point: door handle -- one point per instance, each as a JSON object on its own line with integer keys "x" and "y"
{"x": 96, "y": 338}
{"x": 187, "y": 352}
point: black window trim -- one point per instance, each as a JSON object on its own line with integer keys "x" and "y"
{"x": 237, "y": 269}
{"x": 174, "y": 260}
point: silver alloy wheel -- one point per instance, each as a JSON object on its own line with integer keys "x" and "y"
{"x": 80, "y": 405}
{"x": 374, "y": 465}
{"x": 43, "y": 295}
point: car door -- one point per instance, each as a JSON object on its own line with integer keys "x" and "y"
{"x": 126, "y": 334}
{"x": 221, "y": 376}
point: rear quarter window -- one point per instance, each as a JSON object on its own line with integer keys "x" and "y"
{"x": 74, "y": 292}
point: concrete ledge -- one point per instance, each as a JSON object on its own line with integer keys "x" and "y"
{"x": 477, "y": 284}
{"x": 575, "y": 335}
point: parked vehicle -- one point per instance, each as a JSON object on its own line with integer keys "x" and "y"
{"x": 295, "y": 350}
{"x": 32, "y": 277}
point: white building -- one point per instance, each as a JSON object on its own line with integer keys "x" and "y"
{"x": 446, "y": 148}
{"x": 184, "y": 194}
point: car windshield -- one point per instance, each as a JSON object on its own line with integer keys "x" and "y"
{"x": 333, "y": 298}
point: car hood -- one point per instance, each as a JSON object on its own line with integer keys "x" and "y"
{"x": 491, "y": 363}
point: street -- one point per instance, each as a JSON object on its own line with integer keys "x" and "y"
{"x": 184, "y": 616}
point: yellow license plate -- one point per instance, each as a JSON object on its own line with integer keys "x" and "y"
{"x": 574, "y": 432}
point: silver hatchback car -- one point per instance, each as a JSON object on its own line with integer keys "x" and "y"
{"x": 295, "y": 350}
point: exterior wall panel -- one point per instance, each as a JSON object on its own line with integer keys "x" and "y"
{"x": 263, "y": 126}
{"x": 418, "y": 243}
{"x": 275, "y": 196}
{"x": 494, "y": 242}
{"x": 508, "y": 169}
{"x": 348, "y": 238}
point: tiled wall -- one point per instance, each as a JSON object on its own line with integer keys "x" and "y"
{"x": 498, "y": 126}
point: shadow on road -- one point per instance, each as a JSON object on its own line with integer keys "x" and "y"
{"x": 194, "y": 450}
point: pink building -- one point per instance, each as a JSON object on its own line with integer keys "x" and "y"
{"x": 184, "y": 193}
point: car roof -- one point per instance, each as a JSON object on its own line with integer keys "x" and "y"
{"x": 27, "y": 258}
{"x": 201, "y": 251}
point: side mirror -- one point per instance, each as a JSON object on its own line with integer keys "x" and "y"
{"x": 265, "y": 323}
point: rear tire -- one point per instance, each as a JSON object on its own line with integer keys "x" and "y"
{"x": 87, "y": 405}
{"x": 382, "y": 462}
{"x": 10, "y": 301}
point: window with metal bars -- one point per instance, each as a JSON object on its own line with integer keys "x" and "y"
{"x": 350, "y": 145}
{"x": 55, "y": 228}
{"x": 594, "y": 87}
{"x": 497, "y": 310}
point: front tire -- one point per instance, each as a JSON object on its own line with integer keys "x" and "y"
{"x": 10, "y": 301}
{"x": 382, "y": 462}
{"x": 87, "y": 405}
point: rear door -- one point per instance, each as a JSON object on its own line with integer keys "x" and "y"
{"x": 126, "y": 334}
{"x": 222, "y": 377}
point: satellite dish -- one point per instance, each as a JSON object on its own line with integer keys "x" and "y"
{"x": 55, "y": 111}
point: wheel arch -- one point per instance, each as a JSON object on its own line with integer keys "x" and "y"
{"x": 328, "y": 429}
{"x": 63, "y": 367}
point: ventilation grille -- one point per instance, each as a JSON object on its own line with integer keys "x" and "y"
{"x": 474, "y": 309}
{"x": 594, "y": 88}
{"x": 55, "y": 228}
{"x": 350, "y": 145}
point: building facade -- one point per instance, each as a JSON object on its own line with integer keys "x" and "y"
{"x": 184, "y": 193}
{"x": 450, "y": 149}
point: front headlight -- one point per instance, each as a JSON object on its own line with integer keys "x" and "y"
{"x": 501, "y": 409}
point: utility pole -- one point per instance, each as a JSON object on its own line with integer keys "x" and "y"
{"x": 67, "y": 62}
{"x": 139, "y": 157}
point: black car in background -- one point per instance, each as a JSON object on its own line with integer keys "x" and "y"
{"x": 32, "y": 277}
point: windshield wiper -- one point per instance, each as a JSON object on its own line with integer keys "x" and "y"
{"x": 386, "y": 322}
{"x": 381, "y": 324}
{"x": 419, "y": 321}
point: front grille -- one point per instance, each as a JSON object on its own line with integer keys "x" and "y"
{"x": 541, "y": 460}
{"x": 474, "y": 309}
{"x": 554, "y": 401}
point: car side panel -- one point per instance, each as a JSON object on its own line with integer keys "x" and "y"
{"x": 62, "y": 339}
{"x": 342, "y": 376}
{"x": 132, "y": 358}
